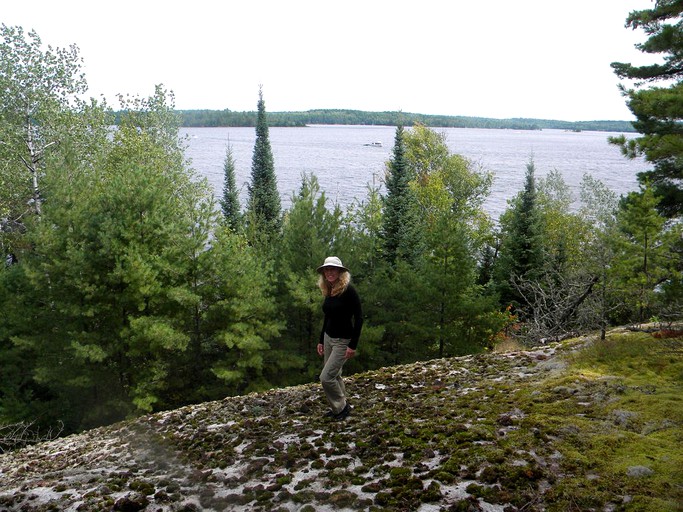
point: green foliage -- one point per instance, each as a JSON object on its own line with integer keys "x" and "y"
{"x": 423, "y": 313}
{"x": 264, "y": 200}
{"x": 360, "y": 234}
{"x": 390, "y": 302}
{"x": 21, "y": 396}
{"x": 230, "y": 203}
{"x": 556, "y": 296}
{"x": 658, "y": 110}
{"x": 134, "y": 288}
{"x": 571, "y": 286}
{"x": 134, "y": 293}
{"x": 562, "y": 228}
{"x": 399, "y": 226}
{"x": 111, "y": 265}
{"x": 646, "y": 254}
{"x": 522, "y": 251}
{"x": 308, "y": 237}
{"x": 452, "y": 308}
{"x": 599, "y": 211}
{"x": 239, "y": 319}
{"x": 47, "y": 85}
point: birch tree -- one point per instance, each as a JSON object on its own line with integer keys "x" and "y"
{"x": 43, "y": 122}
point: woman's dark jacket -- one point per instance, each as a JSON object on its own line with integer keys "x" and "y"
{"x": 343, "y": 317}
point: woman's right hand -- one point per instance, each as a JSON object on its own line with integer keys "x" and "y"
{"x": 321, "y": 349}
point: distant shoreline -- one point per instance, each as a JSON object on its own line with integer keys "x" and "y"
{"x": 228, "y": 118}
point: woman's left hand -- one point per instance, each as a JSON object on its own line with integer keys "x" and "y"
{"x": 349, "y": 353}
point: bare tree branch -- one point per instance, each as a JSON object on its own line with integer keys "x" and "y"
{"x": 553, "y": 302}
{"x": 18, "y": 435}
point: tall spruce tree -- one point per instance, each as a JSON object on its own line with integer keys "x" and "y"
{"x": 658, "y": 110}
{"x": 264, "y": 210}
{"x": 230, "y": 202}
{"x": 521, "y": 252}
{"x": 398, "y": 226}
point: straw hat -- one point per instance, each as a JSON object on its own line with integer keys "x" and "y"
{"x": 332, "y": 261}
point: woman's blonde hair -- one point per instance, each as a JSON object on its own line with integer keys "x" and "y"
{"x": 339, "y": 287}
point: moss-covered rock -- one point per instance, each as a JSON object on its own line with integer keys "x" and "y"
{"x": 584, "y": 424}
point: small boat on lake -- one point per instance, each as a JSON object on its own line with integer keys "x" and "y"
{"x": 374, "y": 144}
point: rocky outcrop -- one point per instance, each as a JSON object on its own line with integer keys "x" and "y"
{"x": 469, "y": 433}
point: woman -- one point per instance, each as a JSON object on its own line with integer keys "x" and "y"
{"x": 340, "y": 333}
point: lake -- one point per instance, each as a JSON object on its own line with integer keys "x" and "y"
{"x": 345, "y": 165}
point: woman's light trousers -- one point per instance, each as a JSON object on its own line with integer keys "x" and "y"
{"x": 331, "y": 376}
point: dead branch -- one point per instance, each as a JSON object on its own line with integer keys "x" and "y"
{"x": 552, "y": 302}
{"x": 18, "y": 435}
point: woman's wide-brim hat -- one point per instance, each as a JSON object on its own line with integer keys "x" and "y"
{"x": 332, "y": 261}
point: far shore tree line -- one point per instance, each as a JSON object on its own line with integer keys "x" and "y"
{"x": 129, "y": 288}
{"x": 218, "y": 118}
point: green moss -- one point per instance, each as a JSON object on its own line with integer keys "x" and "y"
{"x": 372, "y": 487}
{"x": 342, "y": 498}
{"x": 384, "y": 499}
{"x": 302, "y": 484}
{"x": 283, "y": 479}
{"x": 634, "y": 419}
{"x": 400, "y": 473}
{"x": 143, "y": 487}
{"x": 264, "y": 495}
{"x": 432, "y": 493}
{"x": 598, "y": 428}
{"x": 481, "y": 491}
{"x": 303, "y": 497}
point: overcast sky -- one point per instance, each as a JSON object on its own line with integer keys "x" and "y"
{"x": 489, "y": 58}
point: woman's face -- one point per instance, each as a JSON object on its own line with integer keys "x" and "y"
{"x": 331, "y": 274}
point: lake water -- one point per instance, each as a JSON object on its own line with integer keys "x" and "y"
{"x": 345, "y": 165}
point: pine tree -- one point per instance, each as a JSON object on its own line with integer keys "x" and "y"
{"x": 658, "y": 110}
{"x": 521, "y": 253}
{"x": 152, "y": 303}
{"x": 264, "y": 201}
{"x": 398, "y": 226}
{"x": 230, "y": 203}
{"x": 309, "y": 234}
{"x": 239, "y": 321}
{"x": 645, "y": 253}
{"x": 426, "y": 306}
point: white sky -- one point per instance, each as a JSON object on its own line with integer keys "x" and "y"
{"x": 495, "y": 58}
